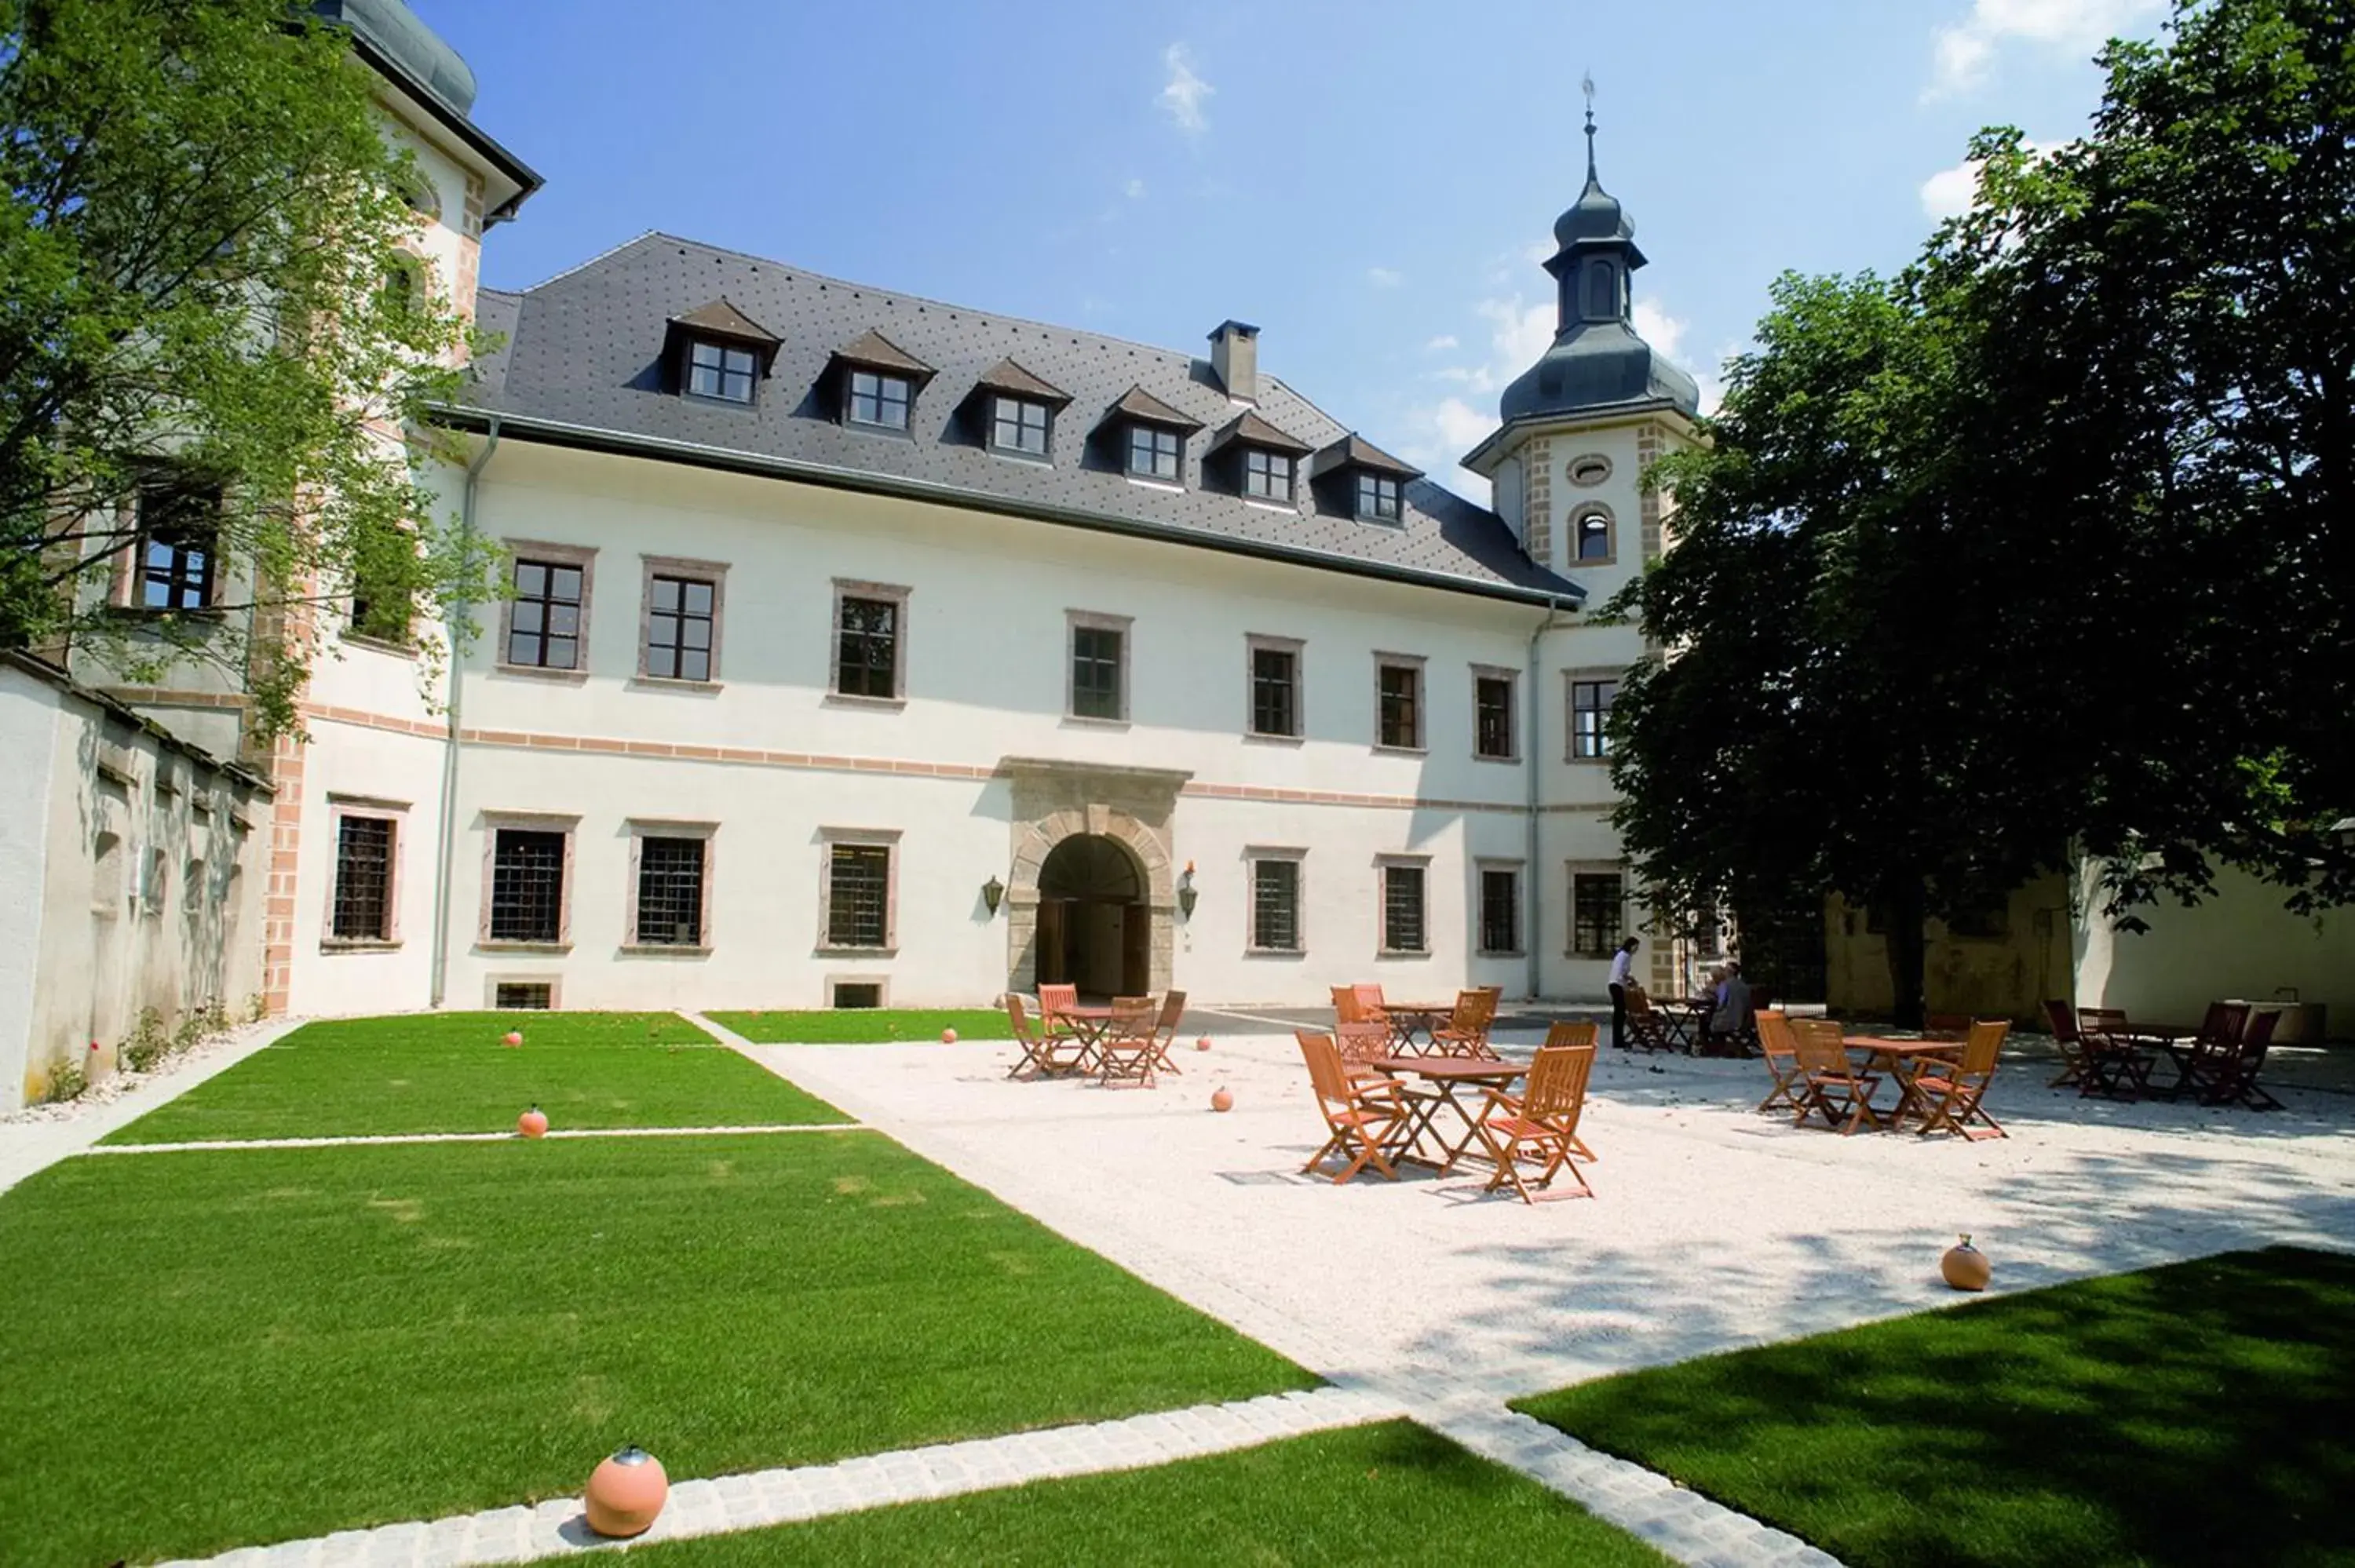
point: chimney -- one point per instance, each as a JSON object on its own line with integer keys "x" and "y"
{"x": 1234, "y": 355}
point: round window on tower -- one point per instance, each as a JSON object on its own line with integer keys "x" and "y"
{"x": 1590, "y": 471}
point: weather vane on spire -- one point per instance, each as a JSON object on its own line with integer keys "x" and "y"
{"x": 1586, "y": 85}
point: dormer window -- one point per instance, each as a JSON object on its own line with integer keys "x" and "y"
{"x": 1153, "y": 453}
{"x": 1378, "y": 497}
{"x": 720, "y": 370}
{"x": 716, "y": 351}
{"x": 1267, "y": 476}
{"x": 1017, "y": 427}
{"x": 1355, "y": 477}
{"x": 879, "y": 400}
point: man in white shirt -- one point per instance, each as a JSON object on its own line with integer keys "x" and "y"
{"x": 1623, "y": 969}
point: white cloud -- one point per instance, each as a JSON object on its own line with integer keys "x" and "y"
{"x": 1440, "y": 344}
{"x": 1182, "y": 93}
{"x": 1963, "y": 51}
{"x": 1663, "y": 332}
{"x": 1950, "y": 192}
{"x": 1134, "y": 190}
{"x": 1384, "y": 277}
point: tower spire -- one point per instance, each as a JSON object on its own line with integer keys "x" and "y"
{"x": 1587, "y": 86}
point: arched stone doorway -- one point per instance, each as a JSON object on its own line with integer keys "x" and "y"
{"x": 1054, "y": 802}
{"x": 1095, "y": 930}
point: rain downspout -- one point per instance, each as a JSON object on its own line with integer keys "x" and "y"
{"x": 1537, "y": 873}
{"x": 446, "y": 829}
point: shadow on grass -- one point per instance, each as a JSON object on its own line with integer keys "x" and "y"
{"x": 2185, "y": 1414}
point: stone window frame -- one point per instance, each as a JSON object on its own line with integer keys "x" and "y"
{"x": 649, "y": 569}
{"x": 1383, "y": 865}
{"x": 1101, "y": 620}
{"x": 582, "y": 556}
{"x": 1512, "y": 679}
{"x": 888, "y": 840}
{"x": 1579, "y": 516}
{"x": 1417, "y": 662}
{"x": 494, "y": 823}
{"x": 340, "y": 806}
{"x": 1253, "y": 643}
{"x": 1571, "y": 678}
{"x": 1574, "y": 869}
{"x": 495, "y": 979}
{"x": 1253, "y": 855}
{"x": 882, "y": 984}
{"x": 1481, "y": 866}
{"x": 1569, "y": 470}
{"x": 895, "y": 594}
{"x": 641, "y": 829}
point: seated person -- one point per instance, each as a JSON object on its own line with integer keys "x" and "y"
{"x": 1729, "y": 1023}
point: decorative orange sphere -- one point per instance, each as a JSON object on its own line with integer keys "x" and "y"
{"x": 625, "y": 1492}
{"x": 533, "y": 1123}
{"x": 1222, "y": 1098}
{"x": 1203, "y": 1043}
{"x": 948, "y": 1036}
{"x": 513, "y": 1037}
{"x": 1965, "y": 1267}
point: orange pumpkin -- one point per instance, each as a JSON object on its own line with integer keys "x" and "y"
{"x": 625, "y": 1492}
{"x": 514, "y": 1037}
{"x": 533, "y": 1123}
{"x": 1222, "y": 1099}
{"x": 1965, "y": 1267}
{"x": 948, "y": 1036}
{"x": 1203, "y": 1043}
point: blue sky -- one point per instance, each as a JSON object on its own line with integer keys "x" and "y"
{"x": 1371, "y": 184}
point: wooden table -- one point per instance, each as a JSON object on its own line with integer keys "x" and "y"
{"x": 1449, "y": 1076}
{"x": 2170, "y": 1038}
{"x": 1901, "y": 1059}
{"x": 1685, "y": 1015}
{"x": 1411, "y": 1022}
{"x": 1087, "y": 1024}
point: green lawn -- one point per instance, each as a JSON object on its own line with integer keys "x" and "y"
{"x": 213, "y": 1348}
{"x": 1393, "y": 1493}
{"x": 864, "y": 1025}
{"x": 2196, "y": 1413}
{"x": 447, "y": 1072}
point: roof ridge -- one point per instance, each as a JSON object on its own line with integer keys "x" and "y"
{"x": 592, "y": 261}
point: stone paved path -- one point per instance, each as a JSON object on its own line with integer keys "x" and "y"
{"x": 765, "y": 1498}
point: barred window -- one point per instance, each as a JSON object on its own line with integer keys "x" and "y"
{"x": 1403, "y": 922}
{"x": 1492, "y": 716}
{"x": 878, "y": 400}
{"x": 680, "y": 619}
{"x": 1019, "y": 426}
{"x": 716, "y": 370}
{"x": 523, "y": 996}
{"x": 670, "y": 892}
{"x": 1590, "y": 717}
{"x": 1276, "y": 691}
{"x": 1096, "y": 672}
{"x": 1500, "y": 911}
{"x": 1267, "y": 475}
{"x": 1153, "y": 453}
{"x": 1275, "y": 905}
{"x": 527, "y": 885}
{"x": 867, "y": 659}
{"x": 1398, "y": 696}
{"x": 1597, "y": 900}
{"x": 363, "y": 895}
{"x": 544, "y": 621}
{"x": 859, "y": 897}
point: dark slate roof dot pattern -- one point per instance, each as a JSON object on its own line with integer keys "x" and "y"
{"x": 584, "y": 350}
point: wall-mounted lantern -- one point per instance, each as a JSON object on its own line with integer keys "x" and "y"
{"x": 1186, "y": 891}
{"x": 992, "y": 892}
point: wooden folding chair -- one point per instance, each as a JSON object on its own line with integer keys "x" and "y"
{"x": 2063, "y": 1017}
{"x": 1567, "y": 1032}
{"x": 1165, "y": 1039}
{"x": 1043, "y": 1053}
{"x": 1361, "y": 1046}
{"x": 1782, "y": 1053}
{"x": 1127, "y": 1050}
{"x": 1646, "y": 1029}
{"x": 1828, "y": 1082}
{"x": 1949, "y": 1098}
{"x": 2233, "y": 1079}
{"x": 1366, "y": 1118}
{"x": 2111, "y": 1061}
{"x": 1466, "y": 1034}
{"x": 1542, "y": 1122}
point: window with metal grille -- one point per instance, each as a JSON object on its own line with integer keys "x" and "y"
{"x": 1492, "y": 715}
{"x": 859, "y": 897}
{"x": 716, "y": 370}
{"x": 679, "y": 614}
{"x": 670, "y": 892}
{"x": 1275, "y": 905}
{"x": 1019, "y": 426}
{"x": 878, "y": 400}
{"x": 1153, "y": 453}
{"x": 1267, "y": 475}
{"x": 527, "y": 885}
{"x": 866, "y": 662}
{"x": 1593, "y": 530}
{"x": 1500, "y": 911}
{"x": 1402, "y": 924}
{"x": 1095, "y": 672}
{"x": 1378, "y": 498}
{"x": 1399, "y": 693}
{"x": 1590, "y": 717}
{"x": 544, "y": 621}
{"x": 534, "y": 996}
{"x": 1596, "y": 903}
{"x": 179, "y": 530}
{"x": 363, "y": 897}
{"x": 1275, "y": 692}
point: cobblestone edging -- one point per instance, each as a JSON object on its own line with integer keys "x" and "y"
{"x": 765, "y": 1498}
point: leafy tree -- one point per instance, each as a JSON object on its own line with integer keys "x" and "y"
{"x": 206, "y": 288}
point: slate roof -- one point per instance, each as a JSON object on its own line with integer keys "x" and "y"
{"x": 1252, "y": 430}
{"x": 724, "y": 319}
{"x": 581, "y": 365}
{"x": 1008, "y": 377}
